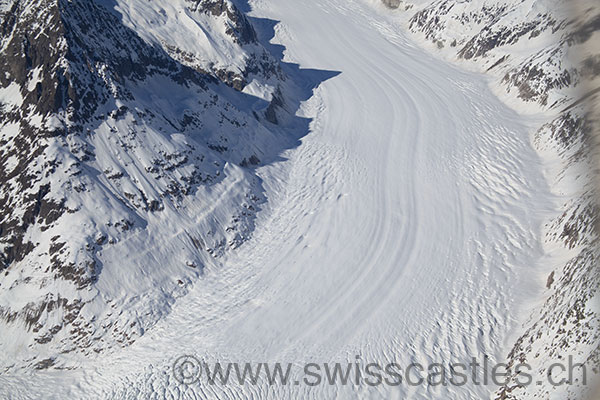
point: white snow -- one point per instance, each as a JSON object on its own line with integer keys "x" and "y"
{"x": 11, "y": 96}
{"x": 404, "y": 228}
{"x": 34, "y": 79}
{"x": 171, "y": 23}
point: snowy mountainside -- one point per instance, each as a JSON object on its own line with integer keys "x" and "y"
{"x": 125, "y": 169}
{"x": 525, "y": 43}
{"x": 210, "y": 36}
{"x": 543, "y": 61}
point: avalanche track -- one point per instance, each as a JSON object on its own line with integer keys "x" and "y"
{"x": 404, "y": 228}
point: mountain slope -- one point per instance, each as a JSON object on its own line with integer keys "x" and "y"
{"x": 125, "y": 169}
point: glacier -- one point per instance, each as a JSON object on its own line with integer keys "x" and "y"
{"x": 384, "y": 203}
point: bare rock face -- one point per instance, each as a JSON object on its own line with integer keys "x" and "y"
{"x": 241, "y": 30}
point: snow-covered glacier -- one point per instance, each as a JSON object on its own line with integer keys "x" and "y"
{"x": 542, "y": 59}
{"x": 293, "y": 182}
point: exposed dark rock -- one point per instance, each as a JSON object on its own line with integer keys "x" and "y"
{"x": 241, "y": 30}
